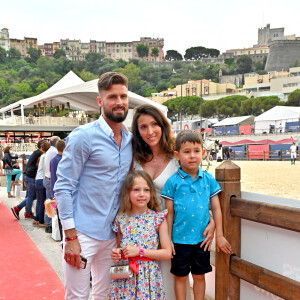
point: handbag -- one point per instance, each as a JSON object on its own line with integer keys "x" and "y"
{"x": 122, "y": 271}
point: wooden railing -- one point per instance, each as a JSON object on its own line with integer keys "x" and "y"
{"x": 231, "y": 268}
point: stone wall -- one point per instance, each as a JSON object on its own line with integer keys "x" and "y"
{"x": 283, "y": 55}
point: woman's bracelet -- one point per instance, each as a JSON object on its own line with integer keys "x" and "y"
{"x": 71, "y": 238}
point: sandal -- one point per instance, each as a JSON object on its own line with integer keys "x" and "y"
{"x": 11, "y": 196}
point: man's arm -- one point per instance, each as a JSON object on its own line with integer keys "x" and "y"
{"x": 69, "y": 171}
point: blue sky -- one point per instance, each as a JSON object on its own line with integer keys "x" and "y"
{"x": 216, "y": 24}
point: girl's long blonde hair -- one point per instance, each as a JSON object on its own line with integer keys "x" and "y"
{"x": 126, "y": 205}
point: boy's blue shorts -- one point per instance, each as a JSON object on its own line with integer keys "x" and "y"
{"x": 190, "y": 258}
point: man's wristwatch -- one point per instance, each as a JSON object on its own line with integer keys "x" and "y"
{"x": 141, "y": 252}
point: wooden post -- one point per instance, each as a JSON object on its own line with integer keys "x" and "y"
{"x": 281, "y": 155}
{"x": 227, "y": 286}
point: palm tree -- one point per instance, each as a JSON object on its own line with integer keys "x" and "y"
{"x": 39, "y": 106}
{"x": 44, "y": 105}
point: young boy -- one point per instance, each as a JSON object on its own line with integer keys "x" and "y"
{"x": 187, "y": 194}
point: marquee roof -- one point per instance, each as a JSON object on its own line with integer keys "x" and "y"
{"x": 245, "y": 120}
{"x": 81, "y": 96}
{"x": 280, "y": 113}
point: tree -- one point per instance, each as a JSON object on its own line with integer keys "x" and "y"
{"x": 2, "y": 55}
{"x": 14, "y": 53}
{"x": 173, "y": 55}
{"x": 154, "y": 52}
{"x": 294, "y": 98}
{"x": 93, "y": 61}
{"x": 41, "y": 88}
{"x": 4, "y": 87}
{"x": 244, "y": 64}
{"x": 22, "y": 90}
{"x": 195, "y": 53}
{"x": 142, "y": 50}
{"x": 133, "y": 74}
{"x": 34, "y": 54}
{"x": 59, "y": 53}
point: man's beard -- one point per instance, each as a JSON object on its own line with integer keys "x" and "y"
{"x": 115, "y": 118}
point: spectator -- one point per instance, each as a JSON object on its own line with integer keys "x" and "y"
{"x": 60, "y": 146}
{"x": 30, "y": 117}
{"x": 49, "y": 155}
{"x": 9, "y": 169}
{"x": 40, "y": 190}
{"x": 14, "y": 158}
{"x": 29, "y": 177}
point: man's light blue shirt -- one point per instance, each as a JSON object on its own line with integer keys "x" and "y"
{"x": 191, "y": 204}
{"x": 89, "y": 179}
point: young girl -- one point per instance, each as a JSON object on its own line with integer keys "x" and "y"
{"x": 140, "y": 228}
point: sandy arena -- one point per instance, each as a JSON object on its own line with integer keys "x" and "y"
{"x": 276, "y": 178}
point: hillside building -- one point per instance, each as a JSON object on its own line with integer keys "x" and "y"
{"x": 4, "y": 39}
{"x": 274, "y": 83}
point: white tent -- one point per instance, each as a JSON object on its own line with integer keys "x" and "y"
{"x": 245, "y": 120}
{"x": 276, "y": 116}
{"x": 81, "y": 96}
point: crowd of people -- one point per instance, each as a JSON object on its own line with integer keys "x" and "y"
{"x": 136, "y": 198}
{"x": 39, "y": 176}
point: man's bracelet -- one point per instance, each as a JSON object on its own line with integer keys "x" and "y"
{"x": 71, "y": 238}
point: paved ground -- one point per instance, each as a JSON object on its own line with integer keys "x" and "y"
{"x": 48, "y": 247}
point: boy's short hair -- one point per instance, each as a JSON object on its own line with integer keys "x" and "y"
{"x": 60, "y": 145}
{"x": 192, "y": 136}
{"x": 106, "y": 80}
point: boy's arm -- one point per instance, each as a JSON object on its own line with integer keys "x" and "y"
{"x": 170, "y": 218}
{"x": 221, "y": 242}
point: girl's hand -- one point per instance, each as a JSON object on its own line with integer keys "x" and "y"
{"x": 131, "y": 251}
{"x": 115, "y": 254}
{"x": 223, "y": 244}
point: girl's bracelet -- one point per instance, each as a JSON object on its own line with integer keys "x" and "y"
{"x": 71, "y": 238}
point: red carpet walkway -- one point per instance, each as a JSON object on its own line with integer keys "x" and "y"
{"x": 24, "y": 272}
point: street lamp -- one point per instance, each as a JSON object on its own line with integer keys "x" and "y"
{"x": 201, "y": 105}
{"x": 181, "y": 105}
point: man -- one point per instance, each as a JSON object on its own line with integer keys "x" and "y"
{"x": 46, "y": 182}
{"x": 29, "y": 177}
{"x": 293, "y": 150}
{"x": 90, "y": 174}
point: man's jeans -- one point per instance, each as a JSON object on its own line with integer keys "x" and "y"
{"x": 47, "y": 186}
{"x": 30, "y": 186}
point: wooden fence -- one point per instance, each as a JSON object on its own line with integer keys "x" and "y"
{"x": 231, "y": 268}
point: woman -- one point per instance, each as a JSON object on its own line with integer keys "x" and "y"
{"x": 9, "y": 169}
{"x": 153, "y": 148}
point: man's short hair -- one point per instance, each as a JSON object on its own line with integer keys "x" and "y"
{"x": 192, "y": 136}
{"x": 39, "y": 144}
{"x": 53, "y": 140}
{"x": 106, "y": 80}
{"x": 60, "y": 145}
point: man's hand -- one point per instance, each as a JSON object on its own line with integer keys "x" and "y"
{"x": 72, "y": 249}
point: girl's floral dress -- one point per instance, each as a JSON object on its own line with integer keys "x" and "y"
{"x": 141, "y": 231}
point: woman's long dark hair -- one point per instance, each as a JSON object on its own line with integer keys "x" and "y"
{"x": 141, "y": 151}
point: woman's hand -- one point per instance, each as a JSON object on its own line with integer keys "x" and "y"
{"x": 115, "y": 254}
{"x": 131, "y": 251}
